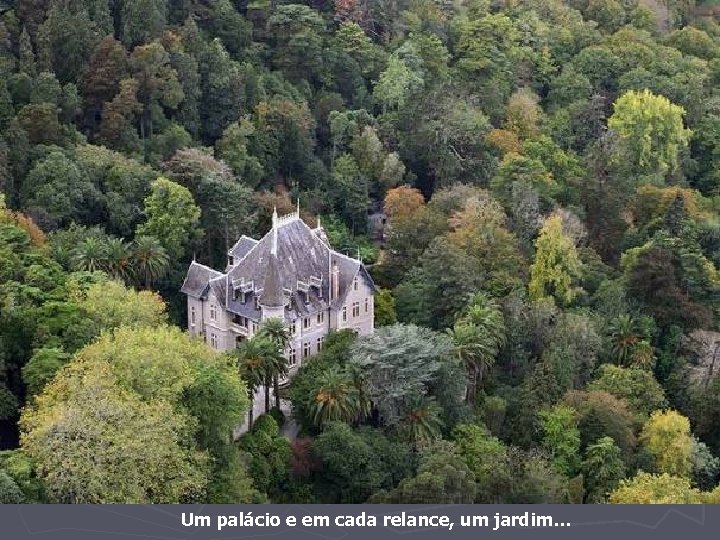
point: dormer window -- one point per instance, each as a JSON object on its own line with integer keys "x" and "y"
{"x": 356, "y": 283}
{"x": 257, "y": 301}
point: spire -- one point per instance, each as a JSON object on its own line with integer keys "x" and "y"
{"x": 273, "y": 250}
{"x": 272, "y": 294}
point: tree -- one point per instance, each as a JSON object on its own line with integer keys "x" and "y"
{"x": 602, "y": 469}
{"x": 250, "y": 355}
{"x": 232, "y": 148}
{"x": 477, "y": 336}
{"x": 561, "y": 438}
{"x": 137, "y": 445}
{"x": 142, "y": 20}
{"x": 41, "y": 368}
{"x": 334, "y": 398}
{"x": 636, "y": 386}
{"x": 274, "y": 329}
{"x": 166, "y": 400}
{"x": 172, "y": 218}
{"x": 397, "y": 363}
{"x": 297, "y": 35}
{"x": 651, "y": 134}
{"x": 557, "y": 265}
{"x": 648, "y": 488}
{"x": 666, "y": 436}
{"x": 422, "y": 424}
{"x": 624, "y": 338}
{"x": 9, "y": 491}
{"x": 401, "y": 203}
{"x": 442, "y": 478}
{"x": 487, "y": 458}
{"x": 59, "y": 189}
{"x": 384, "y": 308}
{"x": 601, "y": 414}
{"x": 149, "y": 260}
{"x": 270, "y": 456}
{"x": 357, "y": 463}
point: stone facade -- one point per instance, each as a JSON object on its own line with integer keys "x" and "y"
{"x": 292, "y": 273}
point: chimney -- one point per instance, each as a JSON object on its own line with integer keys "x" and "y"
{"x": 335, "y": 281}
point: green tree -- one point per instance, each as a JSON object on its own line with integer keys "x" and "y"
{"x": 487, "y": 458}
{"x": 561, "y": 438}
{"x": 41, "y": 368}
{"x": 9, "y": 491}
{"x": 357, "y": 463}
{"x": 422, "y": 423}
{"x": 397, "y": 364}
{"x": 648, "y": 488}
{"x": 602, "y": 469}
{"x": 442, "y": 478}
{"x": 274, "y": 329}
{"x": 557, "y": 265}
{"x": 384, "y": 304}
{"x": 142, "y": 20}
{"x": 651, "y": 134}
{"x": 636, "y": 386}
{"x": 666, "y": 436}
{"x": 149, "y": 260}
{"x": 139, "y": 444}
{"x": 334, "y": 398}
{"x": 477, "y": 337}
{"x": 172, "y": 218}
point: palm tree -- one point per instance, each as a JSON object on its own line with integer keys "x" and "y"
{"x": 149, "y": 260}
{"x": 334, "y": 398}
{"x": 117, "y": 258}
{"x": 478, "y": 336}
{"x": 275, "y": 366}
{"x": 89, "y": 255}
{"x": 422, "y": 421}
{"x": 274, "y": 329}
{"x": 624, "y": 338}
{"x": 251, "y": 364}
{"x": 643, "y": 355}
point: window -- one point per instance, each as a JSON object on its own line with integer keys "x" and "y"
{"x": 367, "y": 304}
{"x": 254, "y": 327}
{"x": 306, "y": 349}
{"x": 355, "y": 283}
{"x": 320, "y": 343}
{"x": 306, "y": 322}
{"x": 239, "y": 340}
{"x": 356, "y": 309}
{"x": 257, "y": 302}
{"x": 321, "y": 317}
{"x": 192, "y": 315}
{"x": 293, "y": 328}
{"x": 213, "y": 340}
{"x": 212, "y": 312}
{"x": 344, "y": 313}
{"x": 241, "y": 321}
{"x": 292, "y": 357}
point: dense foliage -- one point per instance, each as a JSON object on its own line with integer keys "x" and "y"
{"x": 548, "y": 311}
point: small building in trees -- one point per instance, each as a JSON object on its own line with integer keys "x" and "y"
{"x": 293, "y": 274}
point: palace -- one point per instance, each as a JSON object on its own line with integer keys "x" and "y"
{"x": 293, "y": 274}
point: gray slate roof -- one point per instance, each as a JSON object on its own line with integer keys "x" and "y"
{"x": 197, "y": 279}
{"x": 242, "y": 247}
{"x": 301, "y": 255}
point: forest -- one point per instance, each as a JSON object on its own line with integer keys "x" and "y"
{"x": 548, "y": 280}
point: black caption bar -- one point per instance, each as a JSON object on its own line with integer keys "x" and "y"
{"x": 348, "y": 522}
